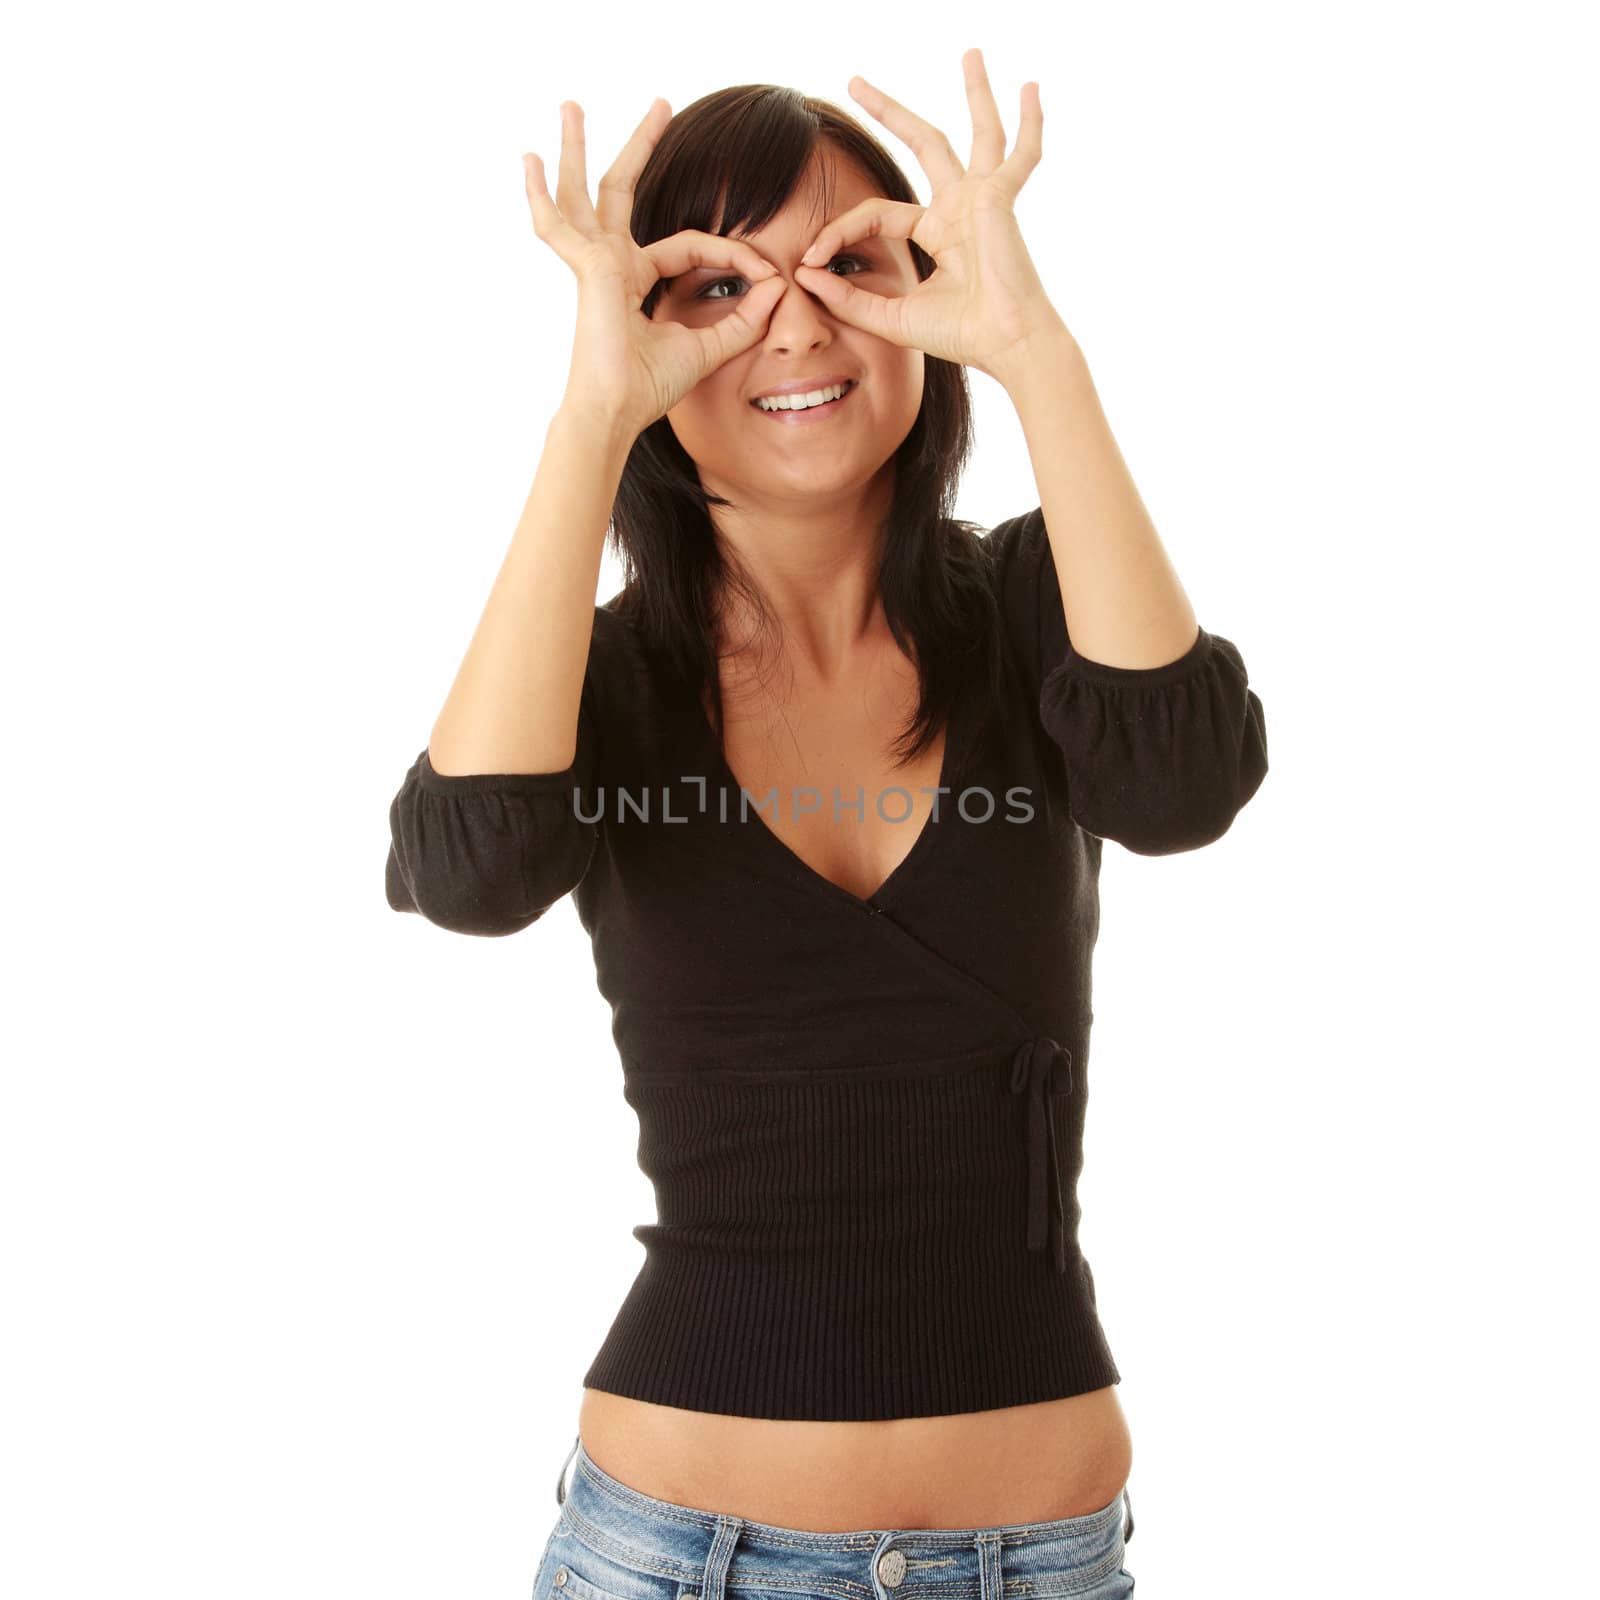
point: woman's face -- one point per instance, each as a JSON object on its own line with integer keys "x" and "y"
{"x": 738, "y": 447}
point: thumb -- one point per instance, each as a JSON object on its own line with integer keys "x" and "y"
{"x": 727, "y": 336}
{"x": 869, "y": 312}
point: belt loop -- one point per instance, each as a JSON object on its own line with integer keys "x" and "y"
{"x": 1127, "y": 1506}
{"x": 561, "y": 1476}
{"x": 991, "y": 1566}
{"x": 713, "y": 1583}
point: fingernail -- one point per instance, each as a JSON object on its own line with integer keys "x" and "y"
{"x": 807, "y": 258}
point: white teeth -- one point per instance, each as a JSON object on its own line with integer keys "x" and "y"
{"x": 799, "y": 402}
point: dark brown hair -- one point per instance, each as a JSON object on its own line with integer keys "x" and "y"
{"x": 746, "y": 150}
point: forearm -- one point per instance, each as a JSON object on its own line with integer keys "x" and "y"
{"x": 1123, "y": 601}
{"x": 514, "y": 704}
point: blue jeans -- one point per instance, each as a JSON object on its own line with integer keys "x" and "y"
{"x": 611, "y": 1542}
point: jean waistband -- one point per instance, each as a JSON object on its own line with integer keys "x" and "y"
{"x": 707, "y": 1550}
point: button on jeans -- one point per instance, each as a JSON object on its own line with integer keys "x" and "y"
{"x": 611, "y": 1542}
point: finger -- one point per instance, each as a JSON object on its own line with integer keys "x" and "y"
{"x": 872, "y": 313}
{"x": 679, "y": 252}
{"x": 1025, "y": 153}
{"x": 615, "y": 206}
{"x": 988, "y": 134}
{"x": 930, "y": 146}
{"x": 572, "y": 186}
{"x": 548, "y": 223}
{"x": 874, "y": 218}
{"x": 727, "y": 336}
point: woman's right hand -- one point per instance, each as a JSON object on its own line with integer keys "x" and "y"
{"x": 627, "y": 367}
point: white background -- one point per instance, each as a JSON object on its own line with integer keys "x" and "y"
{"x": 314, "y": 1214}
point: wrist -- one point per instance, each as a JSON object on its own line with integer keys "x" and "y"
{"x": 596, "y": 419}
{"x": 1041, "y": 354}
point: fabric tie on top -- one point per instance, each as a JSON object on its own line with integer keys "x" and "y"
{"x": 1043, "y": 1068}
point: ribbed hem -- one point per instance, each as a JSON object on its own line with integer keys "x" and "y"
{"x": 699, "y": 1340}
{"x": 877, "y": 1267}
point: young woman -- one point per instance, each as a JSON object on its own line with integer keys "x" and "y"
{"x": 829, "y": 780}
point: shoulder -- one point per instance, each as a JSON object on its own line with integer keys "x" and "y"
{"x": 1016, "y": 540}
{"x": 618, "y": 657}
{"x": 1018, "y": 552}
{"x": 1027, "y": 594}
{"x": 626, "y": 683}
{"x": 1011, "y": 554}
{"x": 616, "y": 645}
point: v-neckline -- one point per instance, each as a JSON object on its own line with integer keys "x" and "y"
{"x": 948, "y": 767}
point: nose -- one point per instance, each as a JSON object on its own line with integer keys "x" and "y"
{"x": 798, "y": 320}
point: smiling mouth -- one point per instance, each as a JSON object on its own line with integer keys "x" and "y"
{"x": 824, "y": 409}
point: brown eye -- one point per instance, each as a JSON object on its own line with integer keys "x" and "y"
{"x": 716, "y": 283}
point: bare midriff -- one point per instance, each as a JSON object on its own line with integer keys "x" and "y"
{"x": 1031, "y": 1463}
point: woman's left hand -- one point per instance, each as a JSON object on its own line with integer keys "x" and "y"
{"x": 985, "y": 300}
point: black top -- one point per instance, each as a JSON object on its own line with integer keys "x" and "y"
{"x": 863, "y": 1119}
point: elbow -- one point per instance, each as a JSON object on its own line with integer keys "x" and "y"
{"x": 1146, "y": 831}
{"x": 1190, "y": 805}
{"x": 1159, "y": 760}
{"x": 483, "y": 901}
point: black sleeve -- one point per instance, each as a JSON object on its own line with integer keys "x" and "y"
{"x": 1159, "y": 759}
{"x": 490, "y": 853}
